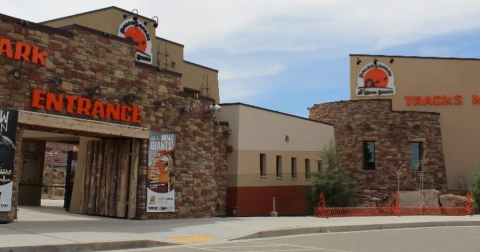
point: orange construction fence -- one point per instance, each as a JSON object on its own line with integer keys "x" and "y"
{"x": 394, "y": 209}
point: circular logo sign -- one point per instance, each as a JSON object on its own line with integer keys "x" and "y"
{"x": 375, "y": 80}
{"x": 137, "y": 32}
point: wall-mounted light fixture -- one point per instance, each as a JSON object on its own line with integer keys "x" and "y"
{"x": 129, "y": 97}
{"x": 392, "y": 60}
{"x": 227, "y": 132}
{"x": 367, "y": 126}
{"x": 96, "y": 90}
{"x": 375, "y": 61}
{"x": 56, "y": 80}
{"x": 23, "y": 22}
{"x": 155, "y": 25}
{"x": 358, "y": 61}
{"x": 135, "y": 15}
{"x": 185, "y": 108}
{"x": 160, "y": 103}
{"x": 212, "y": 108}
{"x": 106, "y": 34}
{"x": 15, "y": 72}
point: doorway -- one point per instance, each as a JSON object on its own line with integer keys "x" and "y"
{"x": 45, "y": 166}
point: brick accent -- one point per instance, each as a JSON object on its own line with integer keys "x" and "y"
{"x": 392, "y": 131}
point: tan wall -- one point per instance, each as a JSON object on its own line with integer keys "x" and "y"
{"x": 196, "y": 78}
{"x": 264, "y": 130}
{"x": 248, "y": 169}
{"x": 166, "y": 54}
{"x": 430, "y": 77}
{"x": 255, "y": 131}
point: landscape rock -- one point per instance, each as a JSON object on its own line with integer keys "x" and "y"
{"x": 450, "y": 200}
{"x": 415, "y": 198}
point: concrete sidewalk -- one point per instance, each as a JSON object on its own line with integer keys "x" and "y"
{"x": 50, "y": 228}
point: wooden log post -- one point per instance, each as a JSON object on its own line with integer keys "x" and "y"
{"x": 99, "y": 196}
{"x": 93, "y": 181}
{"x": 132, "y": 197}
{"x": 87, "y": 173}
{"x": 109, "y": 149}
{"x": 114, "y": 179}
{"x": 123, "y": 180}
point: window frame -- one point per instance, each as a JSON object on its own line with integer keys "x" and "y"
{"x": 278, "y": 166}
{"x": 421, "y": 151}
{"x": 369, "y": 165}
{"x": 263, "y": 165}
{"x": 294, "y": 167}
{"x": 308, "y": 173}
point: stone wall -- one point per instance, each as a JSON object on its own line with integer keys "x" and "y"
{"x": 84, "y": 58}
{"x": 392, "y": 131}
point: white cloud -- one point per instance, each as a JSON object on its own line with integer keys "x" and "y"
{"x": 242, "y": 35}
{"x": 436, "y": 51}
{"x": 281, "y": 25}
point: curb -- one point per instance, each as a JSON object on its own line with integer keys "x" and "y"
{"x": 351, "y": 228}
{"x": 94, "y": 246}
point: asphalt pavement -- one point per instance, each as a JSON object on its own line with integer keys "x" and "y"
{"x": 50, "y": 228}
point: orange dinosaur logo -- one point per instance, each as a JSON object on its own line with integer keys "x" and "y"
{"x": 137, "y": 32}
{"x": 375, "y": 80}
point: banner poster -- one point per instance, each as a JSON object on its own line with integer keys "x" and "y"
{"x": 8, "y": 130}
{"x": 161, "y": 172}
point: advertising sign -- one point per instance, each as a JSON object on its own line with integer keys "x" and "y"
{"x": 8, "y": 130}
{"x": 161, "y": 172}
{"x": 375, "y": 79}
{"x": 137, "y": 31}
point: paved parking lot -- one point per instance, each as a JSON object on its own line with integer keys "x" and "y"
{"x": 438, "y": 239}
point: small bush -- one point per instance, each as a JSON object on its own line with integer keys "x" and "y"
{"x": 332, "y": 180}
{"x": 475, "y": 189}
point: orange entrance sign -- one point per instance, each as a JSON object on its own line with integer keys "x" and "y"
{"x": 84, "y": 106}
{"x": 23, "y": 51}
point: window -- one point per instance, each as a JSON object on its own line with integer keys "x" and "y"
{"x": 319, "y": 165}
{"x": 416, "y": 149}
{"x": 307, "y": 169}
{"x": 294, "y": 168}
{"x": 263, "y": 168}
{"x": 369, "y": 155}
{"x": 279, "y": 166}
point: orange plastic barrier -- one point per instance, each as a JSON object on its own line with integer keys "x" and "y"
{"x": 395, "y": 209}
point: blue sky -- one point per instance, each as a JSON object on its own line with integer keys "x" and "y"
{"x": 287, "y": 55}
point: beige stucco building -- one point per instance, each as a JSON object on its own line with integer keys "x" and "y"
{"x": 272, "y": 154}
{"x": 443, "y": 85}
{"x": 159, "y": 52}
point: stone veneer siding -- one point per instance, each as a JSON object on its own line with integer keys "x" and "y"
{"x": 83, "y": 58}
{"x": 392, "y": 131}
